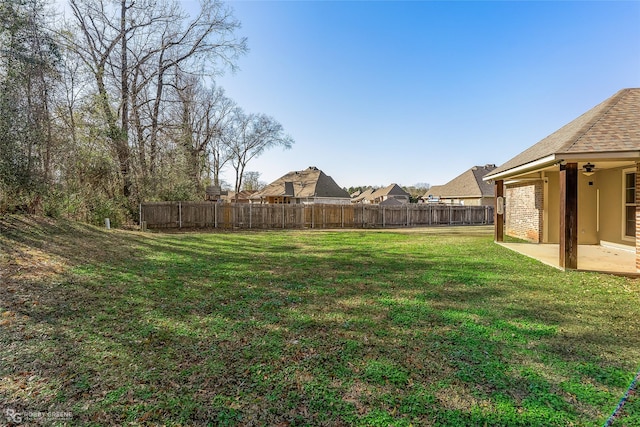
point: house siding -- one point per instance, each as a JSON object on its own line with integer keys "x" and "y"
{"x": 588, "y": 187}
{"x": 524, "y": 211}
{"x": 611, "y": 205}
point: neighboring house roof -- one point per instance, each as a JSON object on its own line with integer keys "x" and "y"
{"x": 392, "y": 201}
{"x": 242, "y": 195}
{"x": 610, "y": 127}
{"x": 390, "y": 190}
{"x": 311, "y": 182}
{"x": 467, "y": 184}
{"x": 365, "y": 195}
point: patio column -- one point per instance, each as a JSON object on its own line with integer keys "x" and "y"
{"x": 569, "y": 216}
{"x": 498, "y": 218}
{"x": 637, "y": 217}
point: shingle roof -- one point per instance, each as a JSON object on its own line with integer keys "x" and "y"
{"x": 467, "y": 184}
{"x": 366, "y": 194}
{"x": 311, "y": 182}
{"x": 389, "y": 190}
{"x": 611, "y": 126}
{"x": 242, "y": 195}
{"x": 392, "y": 201}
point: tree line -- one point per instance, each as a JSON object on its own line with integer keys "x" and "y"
{"x": 117, "y": 103}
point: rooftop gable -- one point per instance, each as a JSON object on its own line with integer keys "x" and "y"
{"x": 389, "y": 190}
{"x": 311, "y": 182}
{"x": 365, "y": 195}
{"x": 467, "y": 184}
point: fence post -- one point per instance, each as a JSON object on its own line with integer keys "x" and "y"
{"x": 362, "y": 214}
{"x": 324, "y": 223}
{"x": 215, "y": 215}
{"x": 383, "y": 222}
{"x": 342, "y": 215}
{"x": 407, "y": 214}
{"x": 283, "y": 215}
{"x": 179, "y": 214}
{"x": 140, "y": 220}
{"x": 250, "y": 214}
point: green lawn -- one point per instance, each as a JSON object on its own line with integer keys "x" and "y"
{"x": 368, "y": 328}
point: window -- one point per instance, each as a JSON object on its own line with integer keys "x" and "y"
{"x": 630, "y": 204}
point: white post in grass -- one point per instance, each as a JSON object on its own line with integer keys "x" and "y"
{"x": 107, "y": 223}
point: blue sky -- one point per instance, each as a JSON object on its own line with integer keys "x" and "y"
{"x": 409, "y": 92}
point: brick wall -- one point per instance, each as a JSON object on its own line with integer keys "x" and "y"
{"x": 524, "y": 211}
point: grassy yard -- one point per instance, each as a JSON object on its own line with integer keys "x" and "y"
{"x": 366, "y": 328}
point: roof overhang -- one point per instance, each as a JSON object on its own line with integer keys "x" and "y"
{"x": 563, "y": 157}
{"x": 527, "y": 167}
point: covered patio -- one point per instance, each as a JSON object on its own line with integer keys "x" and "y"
{"x": 575, "y": 195}
{"x": 601, "y": 259}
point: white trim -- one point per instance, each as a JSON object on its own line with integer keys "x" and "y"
{"x": 545, "y": 161}
{"x": 519, "y": 180}
{"x": 619, "y": 246}
{"x": 545, "y": 209}
{"x": 598, "y": 211}
{"x": 623, "y": 220}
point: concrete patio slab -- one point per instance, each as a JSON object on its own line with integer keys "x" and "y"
{"x": 596, "y": 258}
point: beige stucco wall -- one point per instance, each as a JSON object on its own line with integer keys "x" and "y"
{"x": 587, "y": 209}
{"x": 610, "y": 185}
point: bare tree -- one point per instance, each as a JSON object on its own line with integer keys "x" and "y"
{"x": 132, "y": 50}
{"x": 219, "y": 112}
{"x": 249, "y": 136}
{"x": 251, "y": 181}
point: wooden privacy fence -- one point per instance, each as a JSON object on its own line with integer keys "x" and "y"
{"x": 268, "y": 216}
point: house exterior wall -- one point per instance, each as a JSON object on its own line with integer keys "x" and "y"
{"x": 600, "y": 214}
{"x": 552, "y": 207}
{"x": 524, "y": 210}
{"x": 279, "y": 200}
{"x": 326, "y": 201}
{"x": 588, "y": 209}
{"x": 611, "y": 203}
